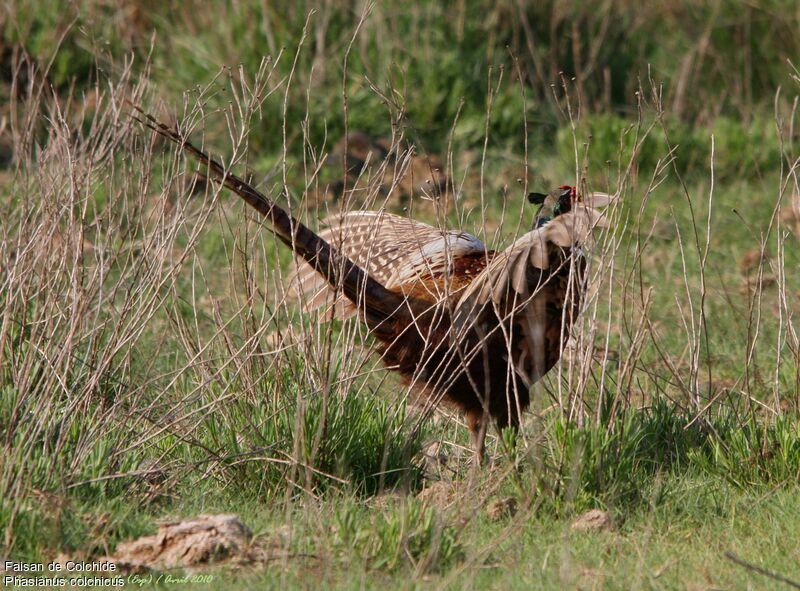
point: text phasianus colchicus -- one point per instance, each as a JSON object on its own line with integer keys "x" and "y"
{"x": 462, "y": 324}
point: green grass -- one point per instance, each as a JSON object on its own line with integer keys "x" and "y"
{"x": 666, "y": 547}
{"x": 160, "y": 374}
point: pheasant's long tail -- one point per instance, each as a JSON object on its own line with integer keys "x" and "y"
{"x": 377, "y": 303}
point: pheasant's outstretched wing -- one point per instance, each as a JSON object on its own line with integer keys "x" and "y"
{"x": 394, "y": 250}
{"x": 509, "y": 270}
{"x": 525, "y": 289}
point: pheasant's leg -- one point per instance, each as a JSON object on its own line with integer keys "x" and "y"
{"x": 477, "y": 421}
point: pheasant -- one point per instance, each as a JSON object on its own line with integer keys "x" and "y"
{"x": 461, "y": 323}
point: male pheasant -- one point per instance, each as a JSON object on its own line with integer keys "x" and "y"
{"x": 461, "y": 323}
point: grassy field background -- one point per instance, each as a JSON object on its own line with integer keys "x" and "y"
{"x": 153, "y": 368}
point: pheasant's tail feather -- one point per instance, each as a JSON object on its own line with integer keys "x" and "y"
{"x": 281, "y": 220}
{"x": 376, "y": 302}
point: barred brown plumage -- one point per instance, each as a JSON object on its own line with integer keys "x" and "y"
{"x": 461, "y": 323}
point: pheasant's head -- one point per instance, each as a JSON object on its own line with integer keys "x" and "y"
{"x": 553, "y": 204}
